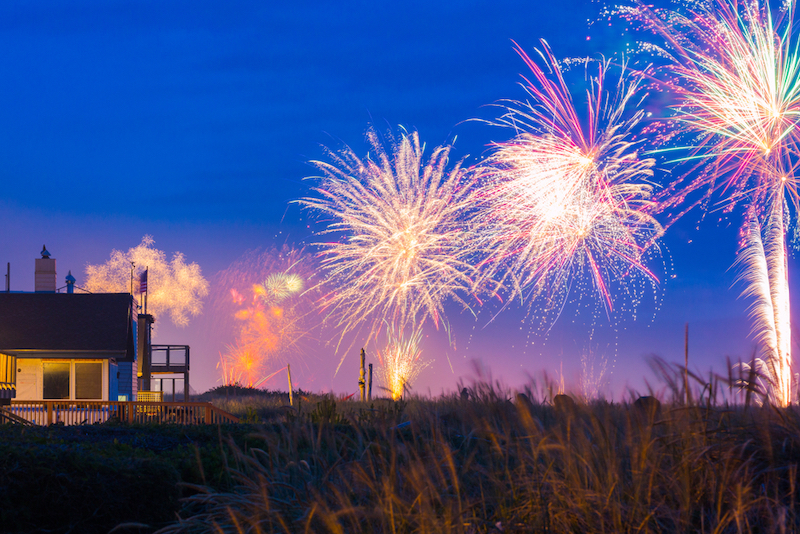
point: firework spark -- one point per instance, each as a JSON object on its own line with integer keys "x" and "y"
{"x": 593, "y": 378}
{"x": 400, "y": 362}
{"x": 174, "y": 287}
{"x": 564, "y": 200}
{"x": 405, "y": 246}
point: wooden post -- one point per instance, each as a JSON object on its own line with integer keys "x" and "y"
{"x": 361, "y": 377}
{"x": 49, "y": 413}
{"x": 369, "y": 390}
{"x": 289, "y": 373}
{"x": 686, "y": 363}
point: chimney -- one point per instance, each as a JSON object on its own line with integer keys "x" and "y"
{"x": 45, "y": 274}
{"x": 70, "y": 282}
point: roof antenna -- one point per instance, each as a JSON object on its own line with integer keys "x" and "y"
{"x": 133, "y": 265}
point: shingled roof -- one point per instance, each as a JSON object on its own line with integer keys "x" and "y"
{"x": 61, "y": 322}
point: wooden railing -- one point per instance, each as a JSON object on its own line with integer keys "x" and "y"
{"x": 7, "y": 417}
{"x": 71, "y": 412}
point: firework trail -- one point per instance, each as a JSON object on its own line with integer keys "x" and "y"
{"x": 734, "y": 71}
{"x": 404, "y": 245}
{"x": 765, "y": 283}
{"x": 399, "y": 360}
{"x": 563, "y": 200}
{"x": 262, "y": 313}
{"x": 175, "y": 287}
{"x": 594, "y": 369}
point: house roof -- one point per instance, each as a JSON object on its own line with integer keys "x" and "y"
{"x": 65, "y": 322}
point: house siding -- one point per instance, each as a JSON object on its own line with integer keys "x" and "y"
{"x": 127, "y": 380}
{"x": 113, "y": 381}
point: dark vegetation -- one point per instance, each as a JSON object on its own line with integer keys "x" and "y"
{"x": 489, "y": 461}
{"x": 91, "y": 478}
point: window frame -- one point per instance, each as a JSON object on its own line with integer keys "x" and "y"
{"x": 45, "y": 363}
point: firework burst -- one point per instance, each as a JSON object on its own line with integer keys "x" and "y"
{"x": 734, "y": 74}
{"x": 404, "y": 245}
{"x": 734, "y": 71}
{"x": 564, "y": 200}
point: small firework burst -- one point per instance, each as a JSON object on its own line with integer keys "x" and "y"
{"x": 279, "y": 286}
{"x": 400, "y": 360}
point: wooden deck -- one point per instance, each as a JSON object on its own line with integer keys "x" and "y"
{"x": 89, "y": 412}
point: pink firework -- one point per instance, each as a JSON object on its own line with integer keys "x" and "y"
{"x": 568, "y": 200}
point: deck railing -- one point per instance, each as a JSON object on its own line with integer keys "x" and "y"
{"x": 168, "y": 357}
{"x": 70, "y": 412}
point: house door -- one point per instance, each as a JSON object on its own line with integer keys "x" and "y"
{"x": 27, "y": 379}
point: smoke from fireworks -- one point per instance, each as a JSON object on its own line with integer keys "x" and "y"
{"x": 404, "y": 246}
{"x": 174, "y": 287}
{"x": 564, "y": 201}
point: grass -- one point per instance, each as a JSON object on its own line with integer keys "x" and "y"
{"x": 495, "y": 461}
{"x": 487, "y": 465}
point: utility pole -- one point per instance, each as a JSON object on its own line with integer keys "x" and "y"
{"x": 361, "y": 377}
{"x": 289, "y": 372}
{"x": 686, "y": 363}
{"x": 133, "y": 265}
{"x": 369, "y": 390}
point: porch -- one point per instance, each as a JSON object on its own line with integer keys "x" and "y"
{"x": 73, "y": 412}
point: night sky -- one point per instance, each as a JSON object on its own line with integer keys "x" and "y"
{"x": 194, "y": 121}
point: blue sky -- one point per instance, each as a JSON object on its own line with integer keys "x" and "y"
{"x": 194, "y": 122}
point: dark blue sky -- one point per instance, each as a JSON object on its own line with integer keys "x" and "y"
{"x": 193, "y": 121}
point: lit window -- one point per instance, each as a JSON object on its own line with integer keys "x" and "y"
{"x": 55, "y": 382}
{"x": 88, "y": 380}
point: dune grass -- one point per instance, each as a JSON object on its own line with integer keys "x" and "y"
{"x": 487, "y": 464}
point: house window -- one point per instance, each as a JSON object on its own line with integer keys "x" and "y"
{"x": 88, "y": 380}
{"x": 55, "y": 380}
